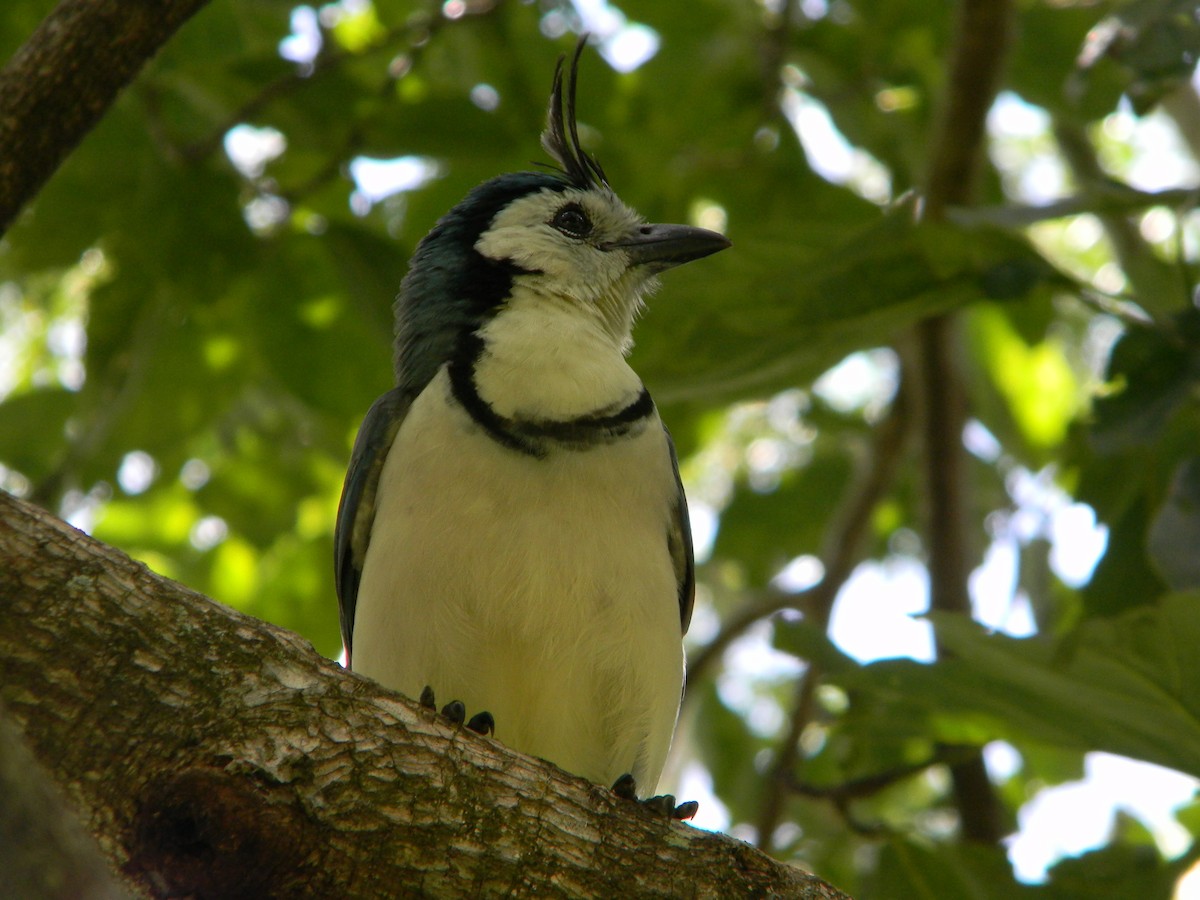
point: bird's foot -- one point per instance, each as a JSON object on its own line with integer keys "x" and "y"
{"x": 663, "y": 805}
{"x": 456, "y": 712}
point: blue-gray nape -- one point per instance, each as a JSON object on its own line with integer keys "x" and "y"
{"x": 451, "y": 288}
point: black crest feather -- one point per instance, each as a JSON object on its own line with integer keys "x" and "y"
{"x": 561, "y": 137}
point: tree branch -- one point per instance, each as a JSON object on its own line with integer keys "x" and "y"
{"x": 760, "y": 605}
{"x": 1159, "y": 288}
{"x": 215, "y": 755}
{"x": 1104, "y": 197}
{"x": 982, "y": 33}
{"x": 63, "y": 79}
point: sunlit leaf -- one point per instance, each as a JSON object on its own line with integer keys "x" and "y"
{"x": 1037, "y": 381}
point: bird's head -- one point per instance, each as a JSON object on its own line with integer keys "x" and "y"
{"x": 561, "y": 236}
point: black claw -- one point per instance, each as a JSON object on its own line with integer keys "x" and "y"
{"x": 482, "y": 723}
{"x": 625, "y": 787}
{"x": 455, "y": 711}
{"x": 685, "y": 810}
{"x": 662, "y": 805}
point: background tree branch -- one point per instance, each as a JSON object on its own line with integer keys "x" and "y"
{"x": 215, "y": 755}
{"x": 977, "y": 55}
{"x": 64, "y": 78}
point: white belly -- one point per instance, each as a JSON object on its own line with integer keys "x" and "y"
{"x": 540, "y": 590}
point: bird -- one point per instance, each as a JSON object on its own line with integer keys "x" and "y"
{"x": 513, "y": 531}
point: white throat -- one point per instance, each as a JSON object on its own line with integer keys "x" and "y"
{"x": 545, "y": 358}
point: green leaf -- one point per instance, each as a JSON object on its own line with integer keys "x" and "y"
{"x": 1153, "y": 373}
{"x": 1129, "y": 684}
{"x": 1036, "y": 380}
{"x": 1155, "y": 42}
{"x": 1043, "y": 64}
{"x": 1174, "y": 537}
{"x": 33, "y": 428}
{"x": 763, "y": 531}
{"x": 1124, "y": 578}
{"x": 1115, "y": 872}
{"x": 779, "y": 313}
{"x": 911, "y": 870}
{"x": 805, "y": 640}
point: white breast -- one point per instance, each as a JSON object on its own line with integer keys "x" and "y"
{"x": 538, "y": 589}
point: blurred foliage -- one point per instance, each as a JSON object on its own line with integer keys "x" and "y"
{"x": 189, "y": 338}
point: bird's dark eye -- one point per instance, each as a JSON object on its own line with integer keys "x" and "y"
{"x": 572, "y": 221}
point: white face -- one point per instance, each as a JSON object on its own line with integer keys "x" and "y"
{"x": 562, "y": 235}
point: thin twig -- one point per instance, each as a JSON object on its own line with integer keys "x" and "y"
{"x": 845, "y": 542}
{"x": 1108, "y": 197}
{"x": 414, "y": 31}
{"x": 761, "y": 605}
{"x": 1160, "y": 288}
{"x": 869, "y": 785}
{"x": 776, "y": 39}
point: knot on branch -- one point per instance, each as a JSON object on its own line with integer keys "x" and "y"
{"x": 211, "y": 833}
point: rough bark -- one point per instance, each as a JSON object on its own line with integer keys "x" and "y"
{"x": 216, "y": 756}
{"x": 63, "y": 79}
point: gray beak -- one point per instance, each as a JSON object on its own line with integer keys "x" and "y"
{"x": 663, "y": 246}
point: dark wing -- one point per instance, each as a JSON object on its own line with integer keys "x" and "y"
{"x": 679, "y": 543}
{"x": 356, "y": 511}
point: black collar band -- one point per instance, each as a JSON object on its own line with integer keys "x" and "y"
{"x": 536, "y": 437}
